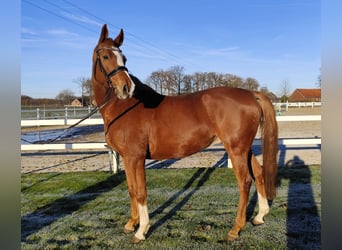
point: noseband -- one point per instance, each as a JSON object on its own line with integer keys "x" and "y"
{"x": 113, "y": 72}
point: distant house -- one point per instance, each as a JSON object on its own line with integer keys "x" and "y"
{"x": 77, "y": 102}
{"x": 305, "y": 95}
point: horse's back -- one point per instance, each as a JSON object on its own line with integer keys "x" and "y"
{"x": 231, "y": 100}
{"x": 191, "y": 122}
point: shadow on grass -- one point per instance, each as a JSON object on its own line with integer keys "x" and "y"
{"x": 303, "y": 224}
{"x": 94, "y": 154}
{"x": 46, "y": 215}
{"x": 24, "y": 189}
{"x": 201, "y": 180}
{"x": 157, "y": 164}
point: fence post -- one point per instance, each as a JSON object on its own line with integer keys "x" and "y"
{"x": 37, "y": 113}
{"x": 66, "y": 116}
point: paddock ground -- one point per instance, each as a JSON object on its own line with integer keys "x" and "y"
{"x": 189, "y": 209}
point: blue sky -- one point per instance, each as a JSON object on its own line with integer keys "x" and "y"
{"x": 271, "y": 41}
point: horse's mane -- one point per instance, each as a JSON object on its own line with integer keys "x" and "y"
{"x": 144, "y": 93}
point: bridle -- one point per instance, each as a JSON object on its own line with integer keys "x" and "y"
{"x": 113, "y": 72}
{"x": 110, "y": 87}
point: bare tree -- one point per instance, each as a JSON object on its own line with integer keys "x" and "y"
{"x": 157, "y": 80}
{"x": 66, "y": 96}
{"x": 188, "y": 83}
{"x": 319, "y": 81}
{"x": 170, "y": 82}
{"x": 251, "y": 84}
{"x": 176, "y": 76}
{"x": 199, "y": 81}
{"x": 86, "y": 89}
{"x": 233, "y": 81}
{"x": 213, "y": 79}
{"x": 284, "y": 91}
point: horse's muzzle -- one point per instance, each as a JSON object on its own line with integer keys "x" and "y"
{"x": 126, "y": 91}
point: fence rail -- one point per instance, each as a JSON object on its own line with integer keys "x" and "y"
{"x": 95, "y": 121}
{"x": 286, "y": 105}
{"x": 59, "y": 122}
{"x": 57, "y": 113}
{"x": 103, "y": 145}
{"x": 61, "y": 146}
{"x": 43, "y": 113}
{"x": 114, "y": 157}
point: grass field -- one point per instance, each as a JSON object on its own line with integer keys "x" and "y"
{"x": 189, "y": 209}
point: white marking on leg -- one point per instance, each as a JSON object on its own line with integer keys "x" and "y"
{"x": 144, "y": 223}
{"x": 229, "y": 163}
{"x": 263, "y": 209}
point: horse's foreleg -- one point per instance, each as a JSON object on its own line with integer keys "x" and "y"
{"x": 262, "y": 200}
{"x": 141, "y": 198}
{"x": 244, "y": 181}
{"x": 131, "y": 185}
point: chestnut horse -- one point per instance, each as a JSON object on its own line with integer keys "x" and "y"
{"x": 139, "y": 123}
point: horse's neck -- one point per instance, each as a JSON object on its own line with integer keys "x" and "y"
{"x": 100, "y": 94}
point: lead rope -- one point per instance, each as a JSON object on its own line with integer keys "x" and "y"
{"x": 94, "y": 110}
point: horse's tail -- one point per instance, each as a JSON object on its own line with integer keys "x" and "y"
{"x": 269, "y": 133}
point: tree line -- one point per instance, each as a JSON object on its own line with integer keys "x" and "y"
{"x": 173, "y": 81}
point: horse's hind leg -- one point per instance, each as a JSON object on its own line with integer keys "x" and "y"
{"x": 244, "y": 180}
{"x": 262, "y": 200}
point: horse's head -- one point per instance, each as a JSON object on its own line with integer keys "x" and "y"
{"x": 109, "y": 65}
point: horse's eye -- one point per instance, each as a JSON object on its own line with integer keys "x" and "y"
{"x": 105, "y": 57}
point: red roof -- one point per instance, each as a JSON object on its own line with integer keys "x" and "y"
{"x": 305, "y": 95}
{"x": 310, "y": 93}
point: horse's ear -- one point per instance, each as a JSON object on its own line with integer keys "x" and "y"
{"x": 104, "y": 34}
{"x": 119, "y": 39}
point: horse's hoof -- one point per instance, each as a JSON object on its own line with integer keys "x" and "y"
{"x": 232, "y": 236}
{"x": 257, "y": 222}
{"x": 128, "y": 231}
{"x": 136, "y": 240}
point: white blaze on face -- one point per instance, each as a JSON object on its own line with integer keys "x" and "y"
{"x": 119, "y": 58}
{"x": 120, "y": 62}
